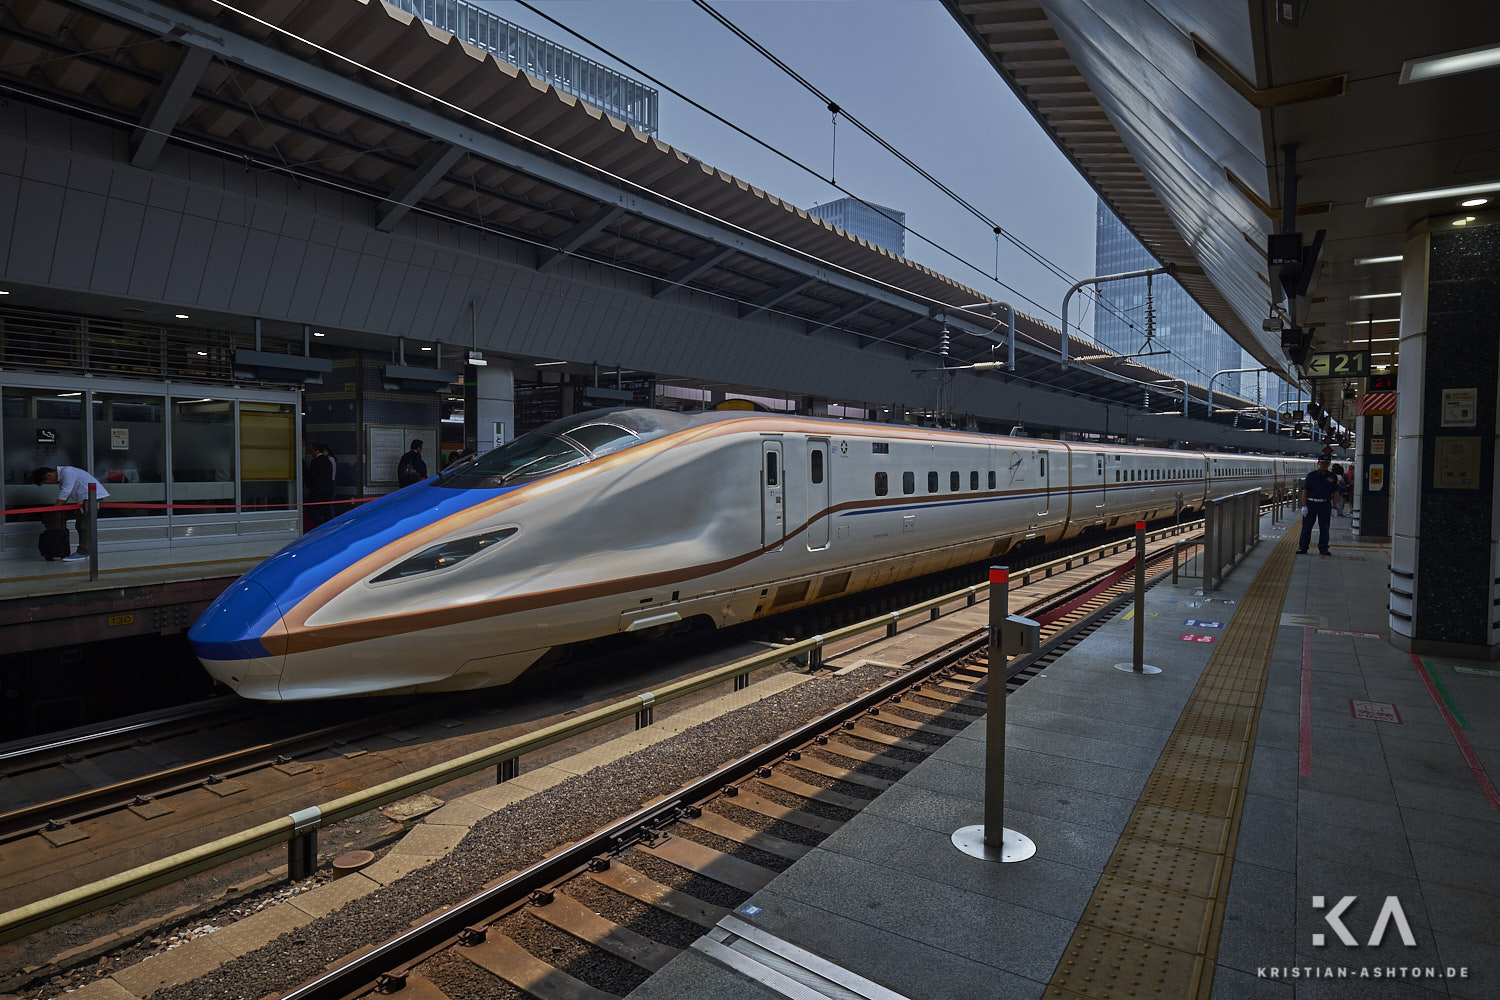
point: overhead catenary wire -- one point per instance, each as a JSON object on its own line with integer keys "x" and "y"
{"x": 1104, "y": 301}
{"x": 256, "y": 165}
{"x": 527, "y": 140}
{"x": 828, "y": 179}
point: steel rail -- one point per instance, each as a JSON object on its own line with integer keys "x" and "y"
{"x": 417, "y": 943}
{"x": 30, "y": 918}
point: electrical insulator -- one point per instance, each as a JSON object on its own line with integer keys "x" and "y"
{"x": 945, "y": 343}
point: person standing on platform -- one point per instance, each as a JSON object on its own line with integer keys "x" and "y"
{"x": 321, "y": 473}
{"x": 72, "y": 488}
{"x": 1320, "y": 494}
{"x": 411, "y": 468}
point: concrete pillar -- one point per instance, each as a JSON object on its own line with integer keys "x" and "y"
{"x": 491, "y": 420}
{"x": 1446, "y": 519}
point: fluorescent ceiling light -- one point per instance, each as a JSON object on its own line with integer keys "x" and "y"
{"x": 3, "y": 292}
{"x": 426, "y": 348}
{"x": 1362, "y": 322}
{"x": 1375, "y": 295}
{"x": 1377, "y": 260}
{"x": 1474, "y": 202}
{"x": 1450, "y": 63}
{"x": 64, "y": 395}
{"x": 543, "y": 364}
{"x": 202, "y": 354}
{"x": 1432, "y": 194}
{"x": 182, "y": 315}
{"x": 319, "y": 333}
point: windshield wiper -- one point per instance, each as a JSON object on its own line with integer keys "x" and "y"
{"x": 540, "y": 458}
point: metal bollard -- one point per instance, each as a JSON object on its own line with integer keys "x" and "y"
{"x": 302, "y": 848}
{"x": 1138, "y": 663}
{"x": 93, "y": 531}
{"x": 992, "y": 841}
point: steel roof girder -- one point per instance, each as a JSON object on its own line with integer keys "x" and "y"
{"x": 415, "y": 185}
{"x": 577, "y": 236}
{"x": 775, "y": 295}
{"x": 691, "y": 270}
{"x": 167, "y": 105}
{"x": 158, "y": 19}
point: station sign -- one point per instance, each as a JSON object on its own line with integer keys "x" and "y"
{"x": 1337, "y": 364}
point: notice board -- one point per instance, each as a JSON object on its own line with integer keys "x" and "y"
{"x": 384, "y": 447}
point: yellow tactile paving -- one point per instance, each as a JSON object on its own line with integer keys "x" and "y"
{"x": 1151, "y": 929}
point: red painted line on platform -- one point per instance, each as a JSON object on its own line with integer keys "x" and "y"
{"x": 1481, "y": 776}
{"x": 1304, "y": 722}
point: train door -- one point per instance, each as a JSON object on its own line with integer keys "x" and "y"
{"x": 772, "y": 497}
{"x": 1101, "y": 474}
{"x": 818, "y": 493}
{"x": 1044, "y": 494}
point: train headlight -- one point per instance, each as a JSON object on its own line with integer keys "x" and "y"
{"x": 444, "y": 555}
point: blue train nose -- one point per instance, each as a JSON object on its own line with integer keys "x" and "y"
{"x": 229, "y": 639}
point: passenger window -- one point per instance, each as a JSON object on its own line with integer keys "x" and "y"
{"x": 817, "y": 465}
{"x": 932, "y": 482}
{"x": 992, "y": 480}
{"x": 908, "y": 482}
{"x": 953, "y": 484}
{"x": 772, "y": 475}
{"x": 973, "y": 480}
{"x": 1042, "y": 467}
{"x": 882, "y": 484}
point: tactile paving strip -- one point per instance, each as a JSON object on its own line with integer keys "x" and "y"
{"x": 1151, "y": 929}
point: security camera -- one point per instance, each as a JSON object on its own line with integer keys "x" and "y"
{"x": 1271, "y": 324}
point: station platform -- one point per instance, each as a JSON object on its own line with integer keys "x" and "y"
{"x": 159, "y": 590}
{"x": 1205, "y": 832}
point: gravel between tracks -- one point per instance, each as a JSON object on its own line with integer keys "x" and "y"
{"x": 518, "y": 836}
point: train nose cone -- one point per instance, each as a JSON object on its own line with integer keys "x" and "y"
{"x": 238, "y": 640}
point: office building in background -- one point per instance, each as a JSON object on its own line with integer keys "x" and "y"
{"x": 1199, "y": 347}
{"x": 884, "y": 227}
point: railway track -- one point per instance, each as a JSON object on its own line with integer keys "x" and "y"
{"x": 1070, "y": 603}
{"x": 91, "y": 785}
{"x": 595, "y": 919}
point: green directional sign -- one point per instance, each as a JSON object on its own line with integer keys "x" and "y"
{"x": 1338, "y": 364}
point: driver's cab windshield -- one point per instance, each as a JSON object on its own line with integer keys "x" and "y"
{"x": 559, "y": 445}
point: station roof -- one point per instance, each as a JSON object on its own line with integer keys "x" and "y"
{"x": 1183, "y": 115}
{"x": 366, "y": 97}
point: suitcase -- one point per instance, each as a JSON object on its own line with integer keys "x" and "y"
{"x": 53, "y": 543}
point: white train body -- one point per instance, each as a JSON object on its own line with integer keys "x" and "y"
{"x": 466, "y": 580}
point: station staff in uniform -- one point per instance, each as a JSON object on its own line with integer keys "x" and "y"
{"x": 1320, "y": 494}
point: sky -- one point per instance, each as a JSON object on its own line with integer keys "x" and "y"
{"x": 906, "y": 71}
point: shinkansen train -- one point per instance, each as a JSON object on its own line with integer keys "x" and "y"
{"x": 631, "y": 520}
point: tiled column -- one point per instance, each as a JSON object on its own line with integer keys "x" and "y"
{"x": 1443, "y": 552}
